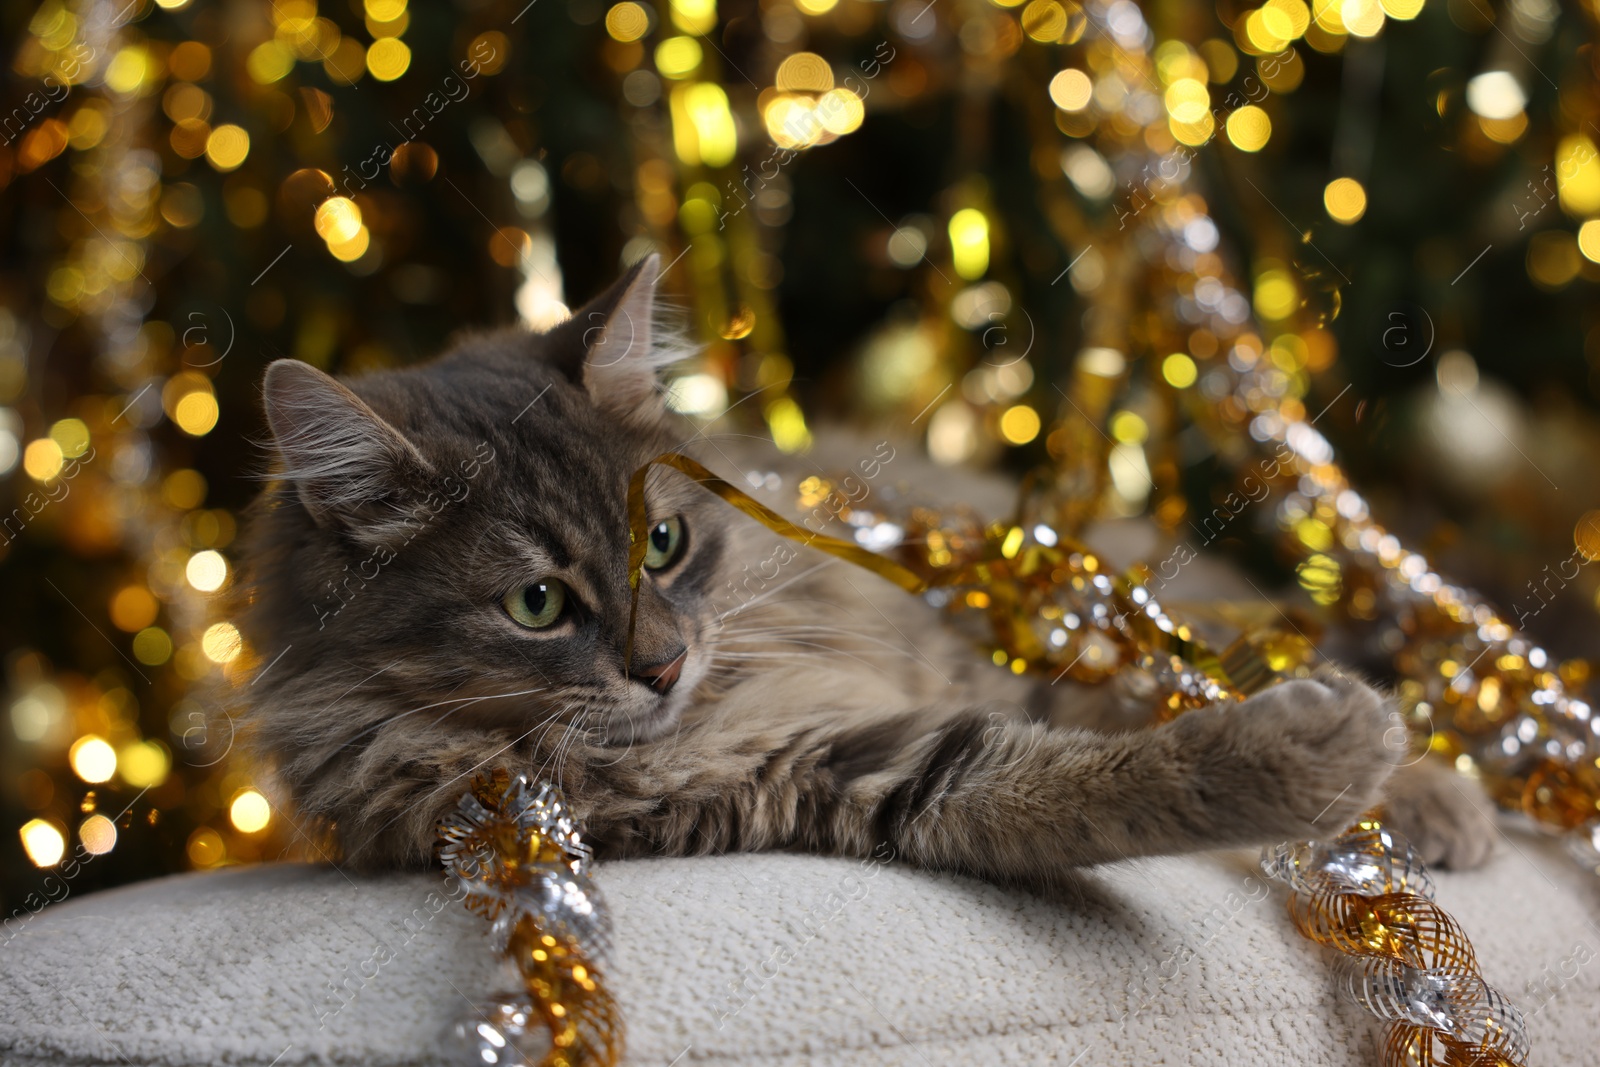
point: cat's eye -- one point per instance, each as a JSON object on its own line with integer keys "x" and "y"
{"x": 666, "y": 544}
{"x": 537, "y": 605}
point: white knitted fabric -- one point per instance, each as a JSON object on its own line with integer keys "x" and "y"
{"x": 773, "y": 959}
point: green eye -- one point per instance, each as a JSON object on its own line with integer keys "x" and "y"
{"x": 538, "y": 605}
{"x": 666, "y": 544}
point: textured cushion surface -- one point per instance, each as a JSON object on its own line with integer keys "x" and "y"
{"x": 1169, "y": 961}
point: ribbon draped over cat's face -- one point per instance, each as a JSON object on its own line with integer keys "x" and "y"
{"x": 467, "y": 520}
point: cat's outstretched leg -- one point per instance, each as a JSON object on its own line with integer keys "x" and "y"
{"x": 1299, "y": 760}
{"x": 1013, "y": 801}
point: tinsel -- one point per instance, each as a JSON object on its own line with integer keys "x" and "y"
{"x": 1367, "y": 895}
{"x": 524, "y": 866}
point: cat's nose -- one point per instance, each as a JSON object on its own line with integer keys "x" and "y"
{"x": 663, "y": 676}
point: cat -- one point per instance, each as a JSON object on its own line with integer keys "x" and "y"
{"x": 436, "y": 586}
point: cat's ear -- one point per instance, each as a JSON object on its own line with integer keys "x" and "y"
{"x": 620, "y": 341}
{"x": 353, "y": 470}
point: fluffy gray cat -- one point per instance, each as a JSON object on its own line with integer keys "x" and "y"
{"x": 438, "y": 579}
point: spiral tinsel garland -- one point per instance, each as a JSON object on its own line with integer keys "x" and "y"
{"x": 524, "y": 866}
{"x": 1367, "y": 895}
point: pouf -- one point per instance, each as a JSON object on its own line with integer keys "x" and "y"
{"x": 774, "y": 959}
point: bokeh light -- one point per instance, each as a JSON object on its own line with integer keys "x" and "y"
{"x": 92, "y": 759}
{"x": 98, "y": 834}
{"x": 221, "y": 642}
{"x": 388, "y": 58}
{"x": 250, "y": 813}
{"x": 43, "y": 842}
{"x": 1345, "y": 200}
{"x": 1249, "y": 128}
{"x": 1019, "y": 424}
{"x": 226, "y": 147}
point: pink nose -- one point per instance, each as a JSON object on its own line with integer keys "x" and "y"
{"x": 662, "y": 676}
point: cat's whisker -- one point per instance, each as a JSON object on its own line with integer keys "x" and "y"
{"x": 805, "y": 638}
{"x": 462, "y": 701}
{"x": 759, "y": 597}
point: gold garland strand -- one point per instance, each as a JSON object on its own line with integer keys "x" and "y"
{"x": 524, "y": 866}
{"x": 1403, "y": 958}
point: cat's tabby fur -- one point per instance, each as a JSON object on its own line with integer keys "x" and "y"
{"x": 818, "y": 708}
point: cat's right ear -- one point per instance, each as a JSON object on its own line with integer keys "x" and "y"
{"x": 352, "y": 470}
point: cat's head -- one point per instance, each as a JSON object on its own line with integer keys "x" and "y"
{"x": 445, "y": 549}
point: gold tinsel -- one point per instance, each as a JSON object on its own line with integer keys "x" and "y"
{"x": 525, "y": 867}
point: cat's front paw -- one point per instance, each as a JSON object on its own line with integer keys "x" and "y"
{"x": 1323, "y": 746}
{"x": 1445, "y": 815}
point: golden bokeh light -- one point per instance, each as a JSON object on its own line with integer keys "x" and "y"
{"x": 1071, "y": 89}
{"x": 1179, "y": 370}
{"x": 269, "y": 62}
{"x": 338, "y": 219}
{"x": 98, "y": 834}
{"x": 1019, "y": 425}
{"x": 71, "y": 436}
{"x": 42, "y": 459}
{"x": 152, "y": 646}
{"x": 1258, "y": 35}
{"x": 250, "y": 813}
{"x": 131, "y": 70}
{"x": 1129, "y": 428}
{"x": 791, "y": 122}
{"x": 133, "y": 608}
{"x": 627, "y": 21}
{"x": 840, "y": 111}
{"x": 206, "y": 848}
{"x": 1345, "y": 200}
{"x": 206, "y": 570}
{"x": 1578, "y": 175}
{"x": 1362, "y": 18}
{"x": 44, "y": 844}
{"x": 221, "y": 642}
{"x": 353, "y": 249}
{"x": 227, "y": 146}
{"x": 1187, "y": 100}
{"x": 678, "y": 57}
{"x": 1044, "y": 21}
{"x": 969, "y": 243}
{"x": 1589, "y": 240}
{"x": 388, "y": 58}
{"x": 92, "y": 759}
{"x": 805, "y": 72}
{"x": 1193, "y": 134}
{"x": 1276, "y": 297}
{"x": 706, "y": 108}
{"x": 196, "y": 413}
{"x": 144, "y": 764}
{"x": 1287, "y": 19}
{"x": 694, "y": 16}
{"x": 1249, "y": 128}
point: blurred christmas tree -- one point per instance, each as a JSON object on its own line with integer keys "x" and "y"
{"x": 866, "y": 204}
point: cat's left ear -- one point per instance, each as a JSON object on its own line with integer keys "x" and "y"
{"x": 621, "y": 344}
